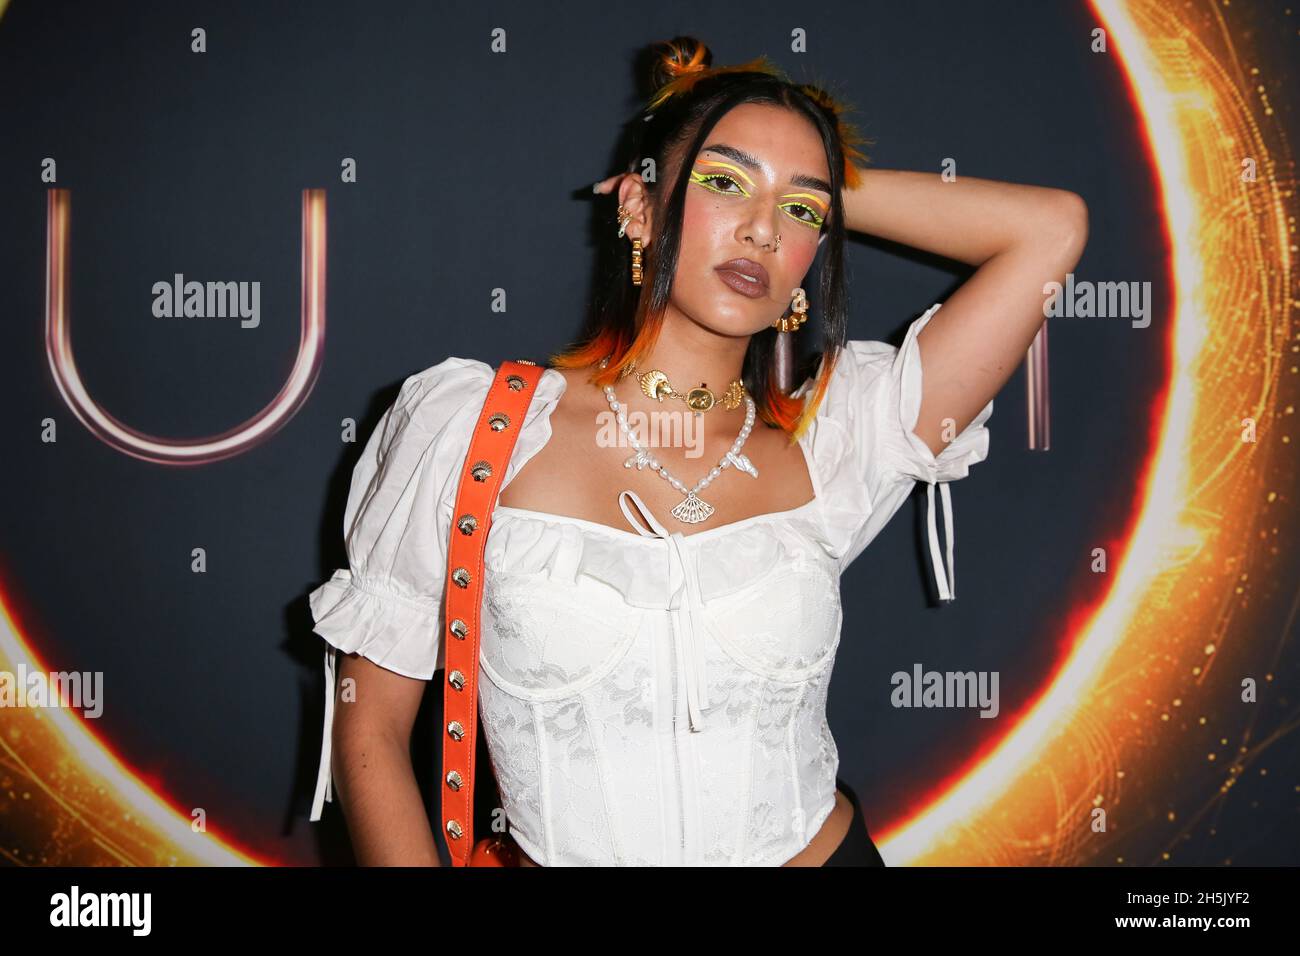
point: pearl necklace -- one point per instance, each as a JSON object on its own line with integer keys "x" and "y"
{"x": 692, "y": 509}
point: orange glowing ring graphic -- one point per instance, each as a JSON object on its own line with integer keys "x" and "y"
{"x": 1027, "y": 799}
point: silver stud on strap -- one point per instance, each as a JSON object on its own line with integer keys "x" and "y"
{"x": 454, "y": 779}
{"x": 456, "y": 679}
{"x": 516, "y": 383}
{"x": 459, "y": 628}
{"x": 481, "y": 471}
{"x": 461, "y": 577}
{"x": 456, "y": 729}
{"x": 467, "y": 524}
{"x": 455, "y": 829}
{"x": 499, "y": 421}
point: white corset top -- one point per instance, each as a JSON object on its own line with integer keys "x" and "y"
{"x": 648, "y": 697}
{"x": 688, "y": 610}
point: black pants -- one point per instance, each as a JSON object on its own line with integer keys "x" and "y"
{"x": 857, "y": 848}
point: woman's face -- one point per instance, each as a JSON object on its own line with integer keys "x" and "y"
{"x": 762, "y": 173}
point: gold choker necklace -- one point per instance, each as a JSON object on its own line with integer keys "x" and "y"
{"x": 655, "y": 385}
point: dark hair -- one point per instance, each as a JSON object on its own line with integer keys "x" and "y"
{"x": 689, "y": 99}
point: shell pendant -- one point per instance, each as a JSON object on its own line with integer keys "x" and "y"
{"x": 742, "y": 462}
{"x": 693, "y": 509}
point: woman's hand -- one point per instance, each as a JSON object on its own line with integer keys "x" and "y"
{"x": 606, "y": 186}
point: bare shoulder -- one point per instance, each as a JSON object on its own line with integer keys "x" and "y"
{"x": 557, "y": 479}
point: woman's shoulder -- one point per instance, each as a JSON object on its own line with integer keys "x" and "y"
{"x": 453, "y": 375}
{"x": 433, "y": 398}
{"x": 872, "y": 378}
{"x": 458, "y": 378}
{"x": 439, "y": 406}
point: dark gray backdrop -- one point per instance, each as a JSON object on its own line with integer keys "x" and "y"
{"x": 475, "y": 173}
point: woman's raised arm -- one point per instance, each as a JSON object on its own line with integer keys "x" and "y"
{"x": 1020, "y": 237}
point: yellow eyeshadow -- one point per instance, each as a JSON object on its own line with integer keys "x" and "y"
{"x": 703, "y": 179}
{"x": 735, "y": 169}
{"x": 817, "y": 199}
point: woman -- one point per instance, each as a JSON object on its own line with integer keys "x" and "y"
{"x": 660, "y": 620}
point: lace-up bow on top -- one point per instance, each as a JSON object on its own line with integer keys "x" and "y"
{"x": 648, "y": 697}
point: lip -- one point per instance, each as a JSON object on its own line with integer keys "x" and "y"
{"x": 746, "y": 267}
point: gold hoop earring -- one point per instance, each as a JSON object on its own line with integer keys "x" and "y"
{"x": 798, "y": 316}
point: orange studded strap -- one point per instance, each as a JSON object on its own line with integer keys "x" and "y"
{"x": 484, "y": 468}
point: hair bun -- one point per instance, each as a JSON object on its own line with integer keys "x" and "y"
{"x": 677, "y": 57}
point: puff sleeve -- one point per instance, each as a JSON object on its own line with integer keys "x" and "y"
{"x": 869, "y": 457}
{"x": 387, "y": 605}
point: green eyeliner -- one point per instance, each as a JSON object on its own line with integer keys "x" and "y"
{"x": 703, "y": 178}
{"x": 810, "y": 223}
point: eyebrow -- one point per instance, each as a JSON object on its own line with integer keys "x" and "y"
{"x": 742, "y": 157}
